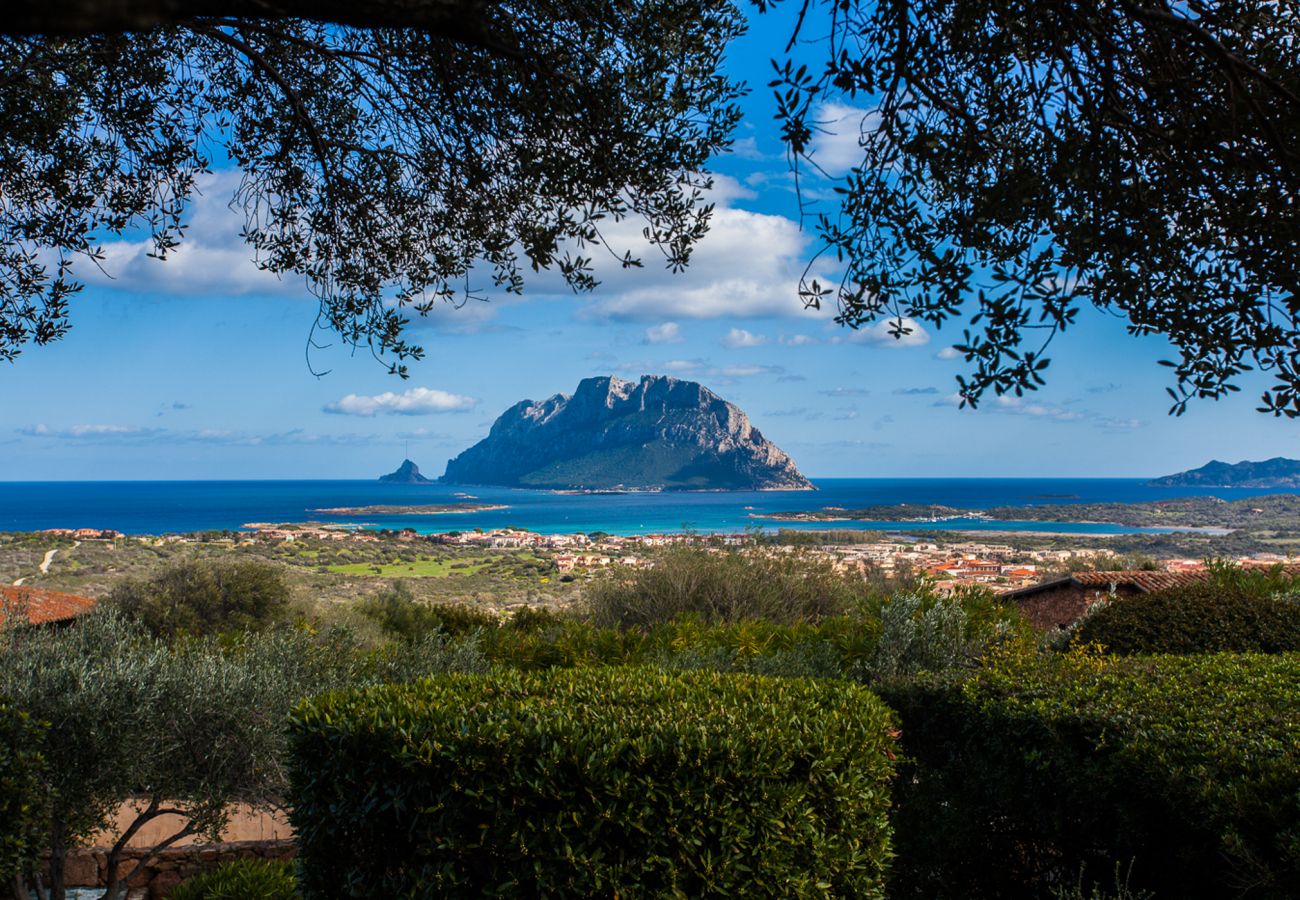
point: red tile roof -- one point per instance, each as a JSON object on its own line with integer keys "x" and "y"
{"x": 41, "y": 606}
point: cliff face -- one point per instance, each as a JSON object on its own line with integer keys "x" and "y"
{"x": 656, "y": 434}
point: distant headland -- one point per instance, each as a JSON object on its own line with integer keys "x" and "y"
{"x": 658, "y": 434}
{"x": 1278, "y": 472}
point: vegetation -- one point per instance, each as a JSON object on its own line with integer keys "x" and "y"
{"x": 721, "y": 587}
{"x": 591, "y": 783}
{"x": 1041, "y": 767}
{"x": 378, "y": 161}
{"x": 241, "y": 880}
{"x": 22, "y": 791}
{"x": 1020, "y": 161}
{"x": 205, "y": 597}
{"x": 1238, "y": 610}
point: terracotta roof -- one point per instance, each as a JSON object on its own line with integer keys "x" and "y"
{"x": 1144, "y": 581}
{"x": 42, "y": 606}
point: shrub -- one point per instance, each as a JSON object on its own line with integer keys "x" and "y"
{"x": 1038, "y": 768}
{"x": 245, "y": 879}
{"x": 22, "y": 793}
{"x": 1237, "y": 613}
{"x": 201, "y": 597}
{"x": 401, "y": 616}
{"x": 597, "y": 782}
{"x": 722, "y": 587}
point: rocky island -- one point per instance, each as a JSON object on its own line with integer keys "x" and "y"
{"x": 407, "y": 473}
{"x": 658, "y": 434}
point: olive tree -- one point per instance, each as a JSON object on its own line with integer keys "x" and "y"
{"x": 1023, "y": 158}
{"x": 394, "y": 155}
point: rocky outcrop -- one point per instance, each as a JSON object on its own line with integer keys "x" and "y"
{"x": 1278, "y": 472}
{"x": 656, "y": 434}
{"x": 407, "y": 473}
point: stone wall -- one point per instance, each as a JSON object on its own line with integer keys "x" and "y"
{"x": 86, "y": 867}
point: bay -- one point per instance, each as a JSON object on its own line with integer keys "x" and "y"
{"x": 158, "y": 507}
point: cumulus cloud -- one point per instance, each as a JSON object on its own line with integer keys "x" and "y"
{"x": 738, "y": 337}
{"x": 667, "y": 333}
{"x": 949, "y": 353}
{"x": 797, "y": 340}
{"x": 418, "y": 401}
{"x": 747, "y": 266}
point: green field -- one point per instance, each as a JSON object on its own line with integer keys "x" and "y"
{"x": 424, "y": 567}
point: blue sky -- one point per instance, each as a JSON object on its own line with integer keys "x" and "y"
{"x": 195, "y": 368}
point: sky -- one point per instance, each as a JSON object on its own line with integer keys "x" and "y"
{"x": 195, "y": 368}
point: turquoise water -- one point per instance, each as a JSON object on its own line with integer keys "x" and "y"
{"x": 155, "y": 507}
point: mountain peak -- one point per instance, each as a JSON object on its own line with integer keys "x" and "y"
{"x": 658, "y": 433}
{"x": 407, "y": 473}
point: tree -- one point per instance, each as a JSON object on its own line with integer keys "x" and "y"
{"x": 187, "y": 729}
{"x": 394, "y": 155}
{"x": 200, "y": 597}
{"x": 1022, "y": 158}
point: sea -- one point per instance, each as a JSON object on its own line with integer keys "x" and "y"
{"x": 161, "y": 507}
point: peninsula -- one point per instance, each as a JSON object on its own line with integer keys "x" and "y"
{"x": 658, "y": 434}
{"x": 432, "y": 509}
{"x": 1278, "y": 472}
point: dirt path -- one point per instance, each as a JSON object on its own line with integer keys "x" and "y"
{"x": 45, "y": 563}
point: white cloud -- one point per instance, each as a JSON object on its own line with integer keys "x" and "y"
{"x": 747, "y": 371}
{"x": 797, "y": 340}
{"x": 88, "y": 431}
{"x": 837, "y": 137}
{"x": 882, "y": 334}
{"x": 738, "y": 337}
{"x": 667, "y": 333}
{"x": 949, "y": 353}
{"x": 419, "y": 401}
{"x": 747, "y": 266}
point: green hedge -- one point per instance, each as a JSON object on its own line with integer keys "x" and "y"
{"x": 22, "y": 771}
{"x": 1233, "y": 615}
{"x": 1037, "y": 769}
{"x": 594, "y": 782}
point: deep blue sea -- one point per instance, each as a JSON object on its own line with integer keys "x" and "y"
{"x": 156, "y": 507}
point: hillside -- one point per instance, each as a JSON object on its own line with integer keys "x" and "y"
{"x": 1278, "y": 472}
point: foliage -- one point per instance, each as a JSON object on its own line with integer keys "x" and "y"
{"x": 1237, "y": 610}
{"x": 920, "y": 633}
{"x": 22, "y": 791}
{"x": 721, "y": 587}
{"x": 378, "y": 163}
{"x": 1035, "y": 157}
{"x": 400, "y": 615}
{"x": 1043, "y": 767}
{"x": 594, "y": 782}
{"x": 199, "y": 597}
{"x": 244, "y": 879}
{"x": 190, "y": 728}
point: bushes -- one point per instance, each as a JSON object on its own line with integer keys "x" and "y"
{"x": 202, "y": 597}
{"x": 246, "y": 879}
{"x": 1036, "y": 769}
{"x": 22, "y": 793}
{"x": 1242, "y": 612}
{"x": 401, "y": 616}
{"x": 722, "y": 587}
{"x": 599, "y": 782}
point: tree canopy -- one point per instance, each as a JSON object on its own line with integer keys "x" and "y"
{"x": 394, "y": 155}
{"x": 1022, "y": 158}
